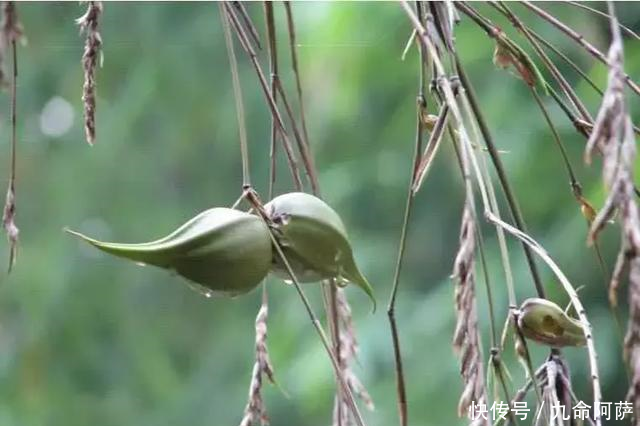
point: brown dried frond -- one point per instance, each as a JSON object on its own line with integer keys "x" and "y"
{"x": 11, "y": 26}
{"x": 9, "y": 224}
{"x": 255, "y": 411}
{"x": 91, "y": 58}
{"x": 11, "y": 30}
{"x": 466, "y": 340}
{"x": 348, "y": 354}
{"x": 614, "y": 137}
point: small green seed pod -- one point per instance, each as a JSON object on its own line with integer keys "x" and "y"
{"x": 545, "y": 322}
{"x": 314, "y": 241}
{"x": 224, "y": 250}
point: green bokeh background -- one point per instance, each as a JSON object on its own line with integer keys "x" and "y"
{"x": 86, "y": 339}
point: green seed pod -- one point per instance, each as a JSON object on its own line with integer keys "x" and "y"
{"x": 545, "y": 322}
{"x": 226, "y": 251}
{"x": 314, "y": 241}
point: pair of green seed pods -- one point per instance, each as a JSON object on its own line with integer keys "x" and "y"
{"x": 229, "y": 252}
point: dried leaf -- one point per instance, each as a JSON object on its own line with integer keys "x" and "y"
{"x": 508, "y": 54}
{"x": 587, "y": 209}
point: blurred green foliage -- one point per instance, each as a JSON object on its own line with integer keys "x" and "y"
{"x": 87, "y": 339}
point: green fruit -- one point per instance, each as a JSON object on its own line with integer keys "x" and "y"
{"x": 545, "y": 322}
{"x": 226, "y": 251}
{"x": 314, "y": 241}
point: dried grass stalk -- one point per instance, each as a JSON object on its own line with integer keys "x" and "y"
{"x": 349, "y": 349}
{"x": 255, "y": 411}
{"x": 556, "y": 389}
{"x": 11, "y": 33}
{"x": 466, "y": 340}
{"x": 613, "y": 135}
{"x": 91, "y": 58}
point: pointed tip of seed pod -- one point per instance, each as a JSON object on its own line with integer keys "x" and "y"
{"x": 367, "y": 289}
{"x": 134, "y": 252}
{"x": 75, "y": 233}
{"x": 358, "y": 279}
{"x": 373, "y": 302}
{"x": 83, "y": 237}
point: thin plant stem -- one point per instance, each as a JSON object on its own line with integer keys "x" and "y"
{"x": 246, "y": 19}
{"x": 568, "y": 60}
{"x": 496, "y": 361}
{"x": 487, "y": 284}
{"x": 400, "y": 382}
{"x": 14, "y": 111}
{"x": 578, "y": 38}
{"x": 273, "y": 69}
{"x": 575, "y": 185}
{"x": 302, "y": 146}
{"x": 294, "y": 64}
{"x": 237, "y": 91}
{"x": 581, "y": 126}
{"x": 242, "y": 36}
{"x": 395, "y": 335}
{"x": 624, "y": 28}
